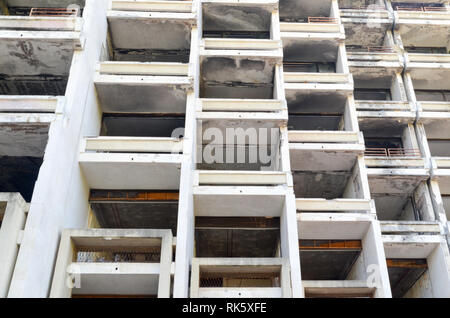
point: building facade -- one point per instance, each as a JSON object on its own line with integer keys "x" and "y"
{"x": 225, "y": 148}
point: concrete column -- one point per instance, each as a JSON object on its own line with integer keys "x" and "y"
{"x": 13, "y": 223}
{"x": 60, "y": 194}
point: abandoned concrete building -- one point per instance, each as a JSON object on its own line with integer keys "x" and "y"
{"x": 109, "y": 108}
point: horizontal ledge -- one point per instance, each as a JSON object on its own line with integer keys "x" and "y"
{"x": 394, "y": 162}
{"x": 276, "y": 55}
{"x": 137, "y": 68}
{"x": 323, "y": 136}
{"x": 258, "y": 116}
{"x": 242, "y": 292}
{"x": 40, "y": 23}
{"x": 409, "y": 226}
{"x": 92, "y": 268}
{"x": 158, "y": 6}
{"x": 180, "y": 17}
{"x": 134, "y": 144}
{"x": 27, "y": 118}
{"x": 441, "y": 162}
{"x": 245, "y": 105}
{"x": 129, "y": 158}
{"x": 143, "y": 80}
{"x": 241, "y": 44}
{"x": 296, "y": 77}
{"x": 241, "y": 177}
{"x": 69, "y": 36}
{"x": 328, "y": 147}
{"x": 333, "y": 205}
{"x": 320, "y": 87}
{"x": 398, "y": 172}
{"x": 310, "y": 27}
{"x": 26, "y": 104}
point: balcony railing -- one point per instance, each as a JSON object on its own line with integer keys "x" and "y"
{"x": 54, "y": 12}
{"x": 392, "y": 152}
{"x": 371, "y": 7}
{"x": 423, "y": 9}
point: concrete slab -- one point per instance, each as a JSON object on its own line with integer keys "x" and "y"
{"x": 24, "y": 134}
{"x": 230, "y": 201}
{"x": 142, "y": 94}
{"x": 395, "y": 181}
{"x": 237, "y": 15}
{"x": 157, "y": 30}
{"x": 35, "y": 53}
{"x": 324, "y": 157}
{"x": 116, "y": 279}
{"x": 121, "y": 171}
{"x": 298, "y": 10}
{"x": 329, "y": 226}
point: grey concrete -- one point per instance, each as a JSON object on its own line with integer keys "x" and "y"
{"x": 294, "y": 9}
{"x": 229, "y": 17}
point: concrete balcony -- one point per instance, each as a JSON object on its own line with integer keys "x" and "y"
{"x": 13, "y": 210}
{"x": 36, "y": 53}
{"x": 131, "y": 163}
{"x": 24, "y": 134}
{"x": 417, "y": 265}
{"x": 301, "y": 87}
{"x": 377, "y": 115}
{"x": 272, "y": 274}
{"x": 366, "y": 26}
{"x": 239, "y": 193}
{"x": 114, "y": 262}
{"x": 340, "y": 239}
{"x": 133, "y": 87}
{"x": 163, "y": 27}
{"x": 429, "y": 71}
{"x": 423, "y": 28}
{"x": 311, "y": 150}
{"x": 311, "y": 41}
{"x": 441, "y": 172}
{"x": 239, "y": 68}
{"x": 373, "y": 67}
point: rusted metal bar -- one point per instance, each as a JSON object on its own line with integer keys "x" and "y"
{"x": 97, "y": 195}
{"x": 407, "y": 263}
{"x": 322, "y": 20}
{"x": 54, "y": 12}
{"x": 376, "y": 152}
{"x": 330, "y": 245}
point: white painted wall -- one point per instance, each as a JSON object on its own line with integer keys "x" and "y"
{"x": 60, "y": 195}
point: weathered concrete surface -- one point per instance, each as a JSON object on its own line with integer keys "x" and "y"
{"x": 220, "y": 17}
{"x": 310, "y": 50}
{"x": 162, "y": 34}
{"x": 44, "y": 3}
{"x": 294, "y": 9}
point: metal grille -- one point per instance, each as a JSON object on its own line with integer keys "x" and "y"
{"x": 53, "y": 12}
{"x": 366, "y": 7}
{"x": 111, "y": 256}
{"x": 423, "y": 9}
{"x": 218, "y": 279}
{"x": 392, "y": 152}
